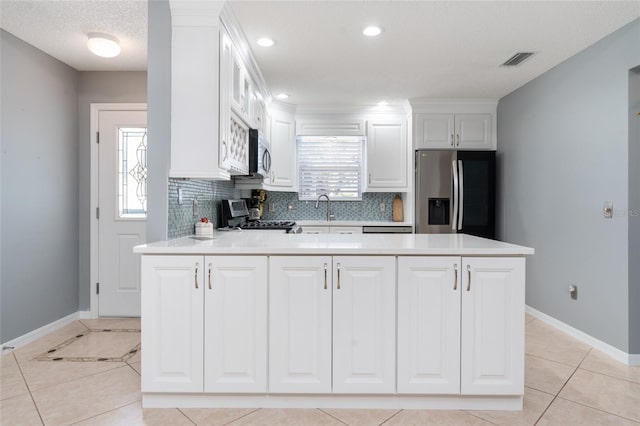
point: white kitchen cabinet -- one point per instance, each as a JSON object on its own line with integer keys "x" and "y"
{"x": 492, "y": 352}
{"x": 305, "y": 356}
{"x": 204, "y": 324}
{"x": 226, "y": 78}
{"x": 235, "y": 318}
{"x": 429, "y": 325}
{"x": 315, "y": 229}
{"x": 387, "y": 156}
{"x": 364, "y": 324}
{"x": 283, "y": 151}
{"x": 172, "y": 323}
{"x": 461, "y": 325}
{"x": 453, "y": 131}
{"x": 300, "y": 324}
{"x": 345, "y": 229}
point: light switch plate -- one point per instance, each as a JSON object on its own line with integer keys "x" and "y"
{"x": 607, "y": 210}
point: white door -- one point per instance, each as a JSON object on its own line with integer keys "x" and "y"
{"x": 429, "y": 325}
{"x": 172, "y": 323}
{"x": 387, "y": 155}
{"x": 300, "y": 324}
{"x": 283, "y": 149}
{"x": 235, "y": 349}
{"x": 492, "y": 355}
{"x": 364, "y": 324}
{"x": 122, "y": 215}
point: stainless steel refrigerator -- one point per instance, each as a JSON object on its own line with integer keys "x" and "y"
{"x": 455, "y": 192}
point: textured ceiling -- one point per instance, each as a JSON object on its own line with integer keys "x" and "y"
{"x": 438, "y": 49}
{"x": 60, "y": 29}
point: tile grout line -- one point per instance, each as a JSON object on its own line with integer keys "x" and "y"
{"x": 483, "y": 419}
{"x": 244, "y": 415}
{"x": 183, "y": 413}
{"x": 332, "y": 416}
{"x": 558, "y": 362}
{"x": 599, "y": 409}
{"x": 563, "y": 386}
{"x": 399, "y": 411}
{"x": 105, "y": 412}
{"x": 28, "y": 388}
{"x": 610, "y": 376}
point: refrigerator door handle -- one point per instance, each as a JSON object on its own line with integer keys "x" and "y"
{"x": 461, "y": 191}
{"x": 454, "y": 222}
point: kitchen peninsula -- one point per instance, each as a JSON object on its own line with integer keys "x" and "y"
{"x": 263, "y": 319}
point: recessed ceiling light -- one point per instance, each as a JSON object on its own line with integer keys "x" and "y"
{"x": 282, "y": 96}
{"x": 383, "y": 103}
{"x": 266, "y": 42}
{"x": 372, "y": 31}
{"x": 103, "y": 45}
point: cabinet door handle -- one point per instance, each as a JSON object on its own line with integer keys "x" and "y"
{"x": 469, "y": 277}
{"x": 209, "y": 276}
{"x": 458, "y": 139}
{"x": 325, "y": 276}
{"x": 451, "y": 139}
{"x": 455, "y": 282}
{"x": 195, "y": 275}
{"x": 338, "y": 266}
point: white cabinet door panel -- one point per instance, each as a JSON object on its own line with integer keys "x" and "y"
{"x": 434, "y": 131}
{"x": 283, "y": 150}
{"x": 492, "y": 353}
{"x": 364, "y": 324}
{"x": 429, "y": 325}
{"x": 300, "y": 324}
{"x": 473, "y": 131}
{"x": 235, "y": 324}
{"x": 386, "y": 155}
{"x": 172, "y": 320}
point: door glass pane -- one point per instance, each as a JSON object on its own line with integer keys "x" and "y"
{"x": 132, "y": 172}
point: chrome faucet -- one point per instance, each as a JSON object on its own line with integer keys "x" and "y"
{"x": 329, "y": 215}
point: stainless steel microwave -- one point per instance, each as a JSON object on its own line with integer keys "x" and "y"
{"x": 259, "y": 155}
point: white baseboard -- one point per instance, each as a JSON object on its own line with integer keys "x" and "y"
{"x": 613, "y": 352}
{"x": 44, "y": 330}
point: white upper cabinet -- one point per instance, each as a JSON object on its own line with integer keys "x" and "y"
{"x": 468, "y": 124}
{"x": 387, "y": 156}
{"x": 283, "y": 151}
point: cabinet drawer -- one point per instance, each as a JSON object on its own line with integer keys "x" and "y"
{"x": 345, "y": 230}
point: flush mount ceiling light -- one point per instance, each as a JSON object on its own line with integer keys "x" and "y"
{"x": 383, "y": 103}
{"x": 103, "y": 45}
{"x": 282, "y": 96}
{"x": 372, "y": 31}
{"x": 266, "y": 42}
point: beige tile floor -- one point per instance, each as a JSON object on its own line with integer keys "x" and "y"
{"x": 567, "y": 383}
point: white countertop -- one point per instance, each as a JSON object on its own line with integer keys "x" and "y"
{"x": 275, "y": 243}
{"x": 349, "y": 223}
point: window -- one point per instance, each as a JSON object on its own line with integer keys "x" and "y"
{"x": 330, "y": 165}
{"x": 132, "y": 172}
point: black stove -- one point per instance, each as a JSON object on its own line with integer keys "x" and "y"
{"x": 267, "y": 224}
{"x": 236, "y": 215}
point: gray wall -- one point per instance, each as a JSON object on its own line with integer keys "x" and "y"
{"x": 39, "y": 188}
{"x": 98, "y": 87}
{"x": 158, "y": 118}
{"x": 634, "y": 211}
{"x": 563, "y": 147}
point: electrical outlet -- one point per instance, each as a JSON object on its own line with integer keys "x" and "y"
{"x": 382, "y": 206}
{"x": 195, "y": 208}
{"x": 573, "y": 291}
{"x": 290, "y": 206}
{"x": 180, "y": 199}
{"x": 272, "y": 207}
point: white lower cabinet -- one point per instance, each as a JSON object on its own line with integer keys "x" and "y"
{"x": 461, "y": 325}
{"x": 304, "y": 355}
{"x": 204, "y": 324}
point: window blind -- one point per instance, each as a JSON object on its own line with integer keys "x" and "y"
{"x": 330, "y": 165}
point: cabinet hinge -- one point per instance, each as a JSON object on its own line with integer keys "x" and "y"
{"x": 97, "y": 212}
{"x": 97, "y": 288}
{"x": 97, "y": 137}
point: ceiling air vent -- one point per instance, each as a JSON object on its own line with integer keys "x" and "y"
{"x": 517, "y": 59}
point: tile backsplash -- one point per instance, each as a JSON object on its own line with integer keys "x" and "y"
{"x": 208, "y": 195}
{"x": 366, "y": 210}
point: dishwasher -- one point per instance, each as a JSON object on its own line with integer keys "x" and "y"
{"x": 387, "y": 229}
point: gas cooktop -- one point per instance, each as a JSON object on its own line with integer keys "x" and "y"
{"x": 267, "y": 224}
